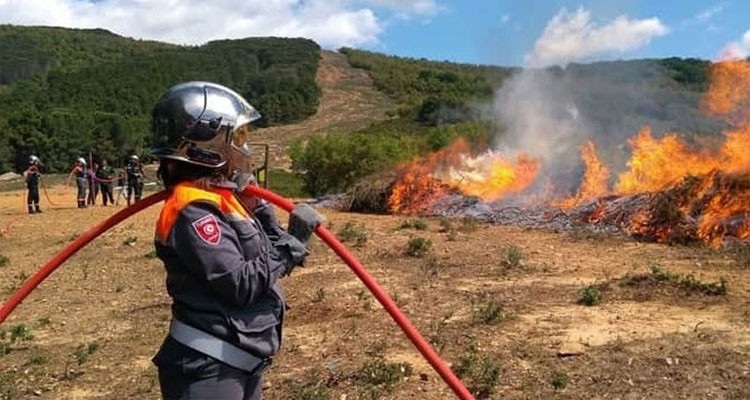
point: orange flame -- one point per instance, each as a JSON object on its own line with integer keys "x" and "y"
{"x": 658, "y": 163}
{"x": 594, "y": 182}
{"x": 655, "y": 165}
{"x": 488, "y": 176}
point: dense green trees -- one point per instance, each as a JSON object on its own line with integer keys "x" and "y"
{"x": 67, "y": 92}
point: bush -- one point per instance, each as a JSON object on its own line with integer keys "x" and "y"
{"x": 480, "y": 372}
{"x": 331, "y": 163}
{"x": 418, "y": 247}
{"x": 287, "y": 183}
{"x": 590, "y": 295}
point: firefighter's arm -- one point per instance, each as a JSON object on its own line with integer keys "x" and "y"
{"x": 211, "y": 249}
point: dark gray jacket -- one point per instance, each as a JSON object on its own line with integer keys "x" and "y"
{"x": 222, "y": 269}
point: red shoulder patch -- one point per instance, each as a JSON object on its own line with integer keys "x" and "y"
{"x": 208, "y": 229}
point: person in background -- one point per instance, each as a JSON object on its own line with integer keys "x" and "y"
{"x": 105, "y": 176}
{"x": 81, "y": 173}
{"x": 224, "y": 252}
{"x": 93, "y": 184}
{"x": 32, "y": 176}
{"x": 134, "y": 174}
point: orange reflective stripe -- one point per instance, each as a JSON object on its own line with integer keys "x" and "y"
{"x": 186, "y": 193}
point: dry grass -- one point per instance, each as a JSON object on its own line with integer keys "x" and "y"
{"x": 89, "y": 330}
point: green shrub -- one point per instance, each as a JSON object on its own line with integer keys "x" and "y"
{"x": 480, "y": 372}
{"x": 353, "y": 233}
{"x": 418, "y": 247}
{"x": 331, "y": 163}
{"x": 286, "y": 183}
{"x": 382, "y": 373}
{"x": 590, "y": 295}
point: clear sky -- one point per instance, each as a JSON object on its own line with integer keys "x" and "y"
{"x": 503, "y": 32}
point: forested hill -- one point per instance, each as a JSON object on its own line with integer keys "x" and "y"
{"x": 615, "y": 97}
{"x": 67, "y": 92}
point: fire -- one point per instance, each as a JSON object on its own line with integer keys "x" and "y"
{"x": 594, "y": 181}
{"x": 655, "y": 165}
{"x": 488, "y": 176}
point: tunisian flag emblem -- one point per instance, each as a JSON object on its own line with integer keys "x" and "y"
{"x": 208, "y": 229}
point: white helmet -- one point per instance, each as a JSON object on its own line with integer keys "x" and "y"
{"x": 33, "y": 159}
{"x": 81, "y": 160}
{"x": 134, "y": 157}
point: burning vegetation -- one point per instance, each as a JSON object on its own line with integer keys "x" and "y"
{"x": 669, "y": 190}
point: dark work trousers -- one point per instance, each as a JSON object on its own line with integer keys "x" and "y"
{"x": 185, "y": 374}
{"x": 135, "y": 187}
{"x": 93, "y": 192}
{"x": 32, "y": 199}
{"x": 82, "y": 184}
{"x": 106, "y": 189}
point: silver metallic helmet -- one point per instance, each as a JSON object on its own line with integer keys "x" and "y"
{"x": 199, "y": 123}
{"x": 33, "y": 160}
{"x": 81, "y": 161}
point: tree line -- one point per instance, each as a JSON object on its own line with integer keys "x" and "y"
{"x": 67, "y": 92}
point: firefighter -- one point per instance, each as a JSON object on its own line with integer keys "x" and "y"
{"x": 105, "y": 176}
{"x": 134, "y": 175}
{"x": 32, "y": 176}
{"x": 224, "y": 252}
{"x": 81, "y": 173}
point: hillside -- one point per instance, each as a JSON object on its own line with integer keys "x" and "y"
{"x": 349, "y": 101}
{"x": 70, "y": 91}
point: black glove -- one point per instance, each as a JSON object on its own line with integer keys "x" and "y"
{"x": 302, "y": 222}
{"x": 266, "y": 216}
{"x": 294, "y": 248}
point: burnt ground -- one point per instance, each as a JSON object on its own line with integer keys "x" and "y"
{"x": 521, "y": 313}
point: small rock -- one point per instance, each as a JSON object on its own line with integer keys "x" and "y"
{"x": 423, "y": 377}
{"x": 37, "y": 392}
{"x": 668, "y": 360}
{"x": 570, "y": 349}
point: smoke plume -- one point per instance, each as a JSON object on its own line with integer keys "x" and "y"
{"x": 543, "y": 111}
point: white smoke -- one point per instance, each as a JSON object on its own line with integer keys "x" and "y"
{"x": 537, "y": 106}
{"x": 539, "y": 116}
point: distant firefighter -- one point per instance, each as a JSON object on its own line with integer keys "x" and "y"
{"x": 32, "y": 176}
{"x": 80, "y": 171}
{"x": 105, "y": 176}
{"x": 134, "y": 174}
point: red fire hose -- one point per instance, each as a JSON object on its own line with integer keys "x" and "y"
{"x": 324, "y": 234}
{"x": 73, "y": 248}
{"x": 390, "y": 306}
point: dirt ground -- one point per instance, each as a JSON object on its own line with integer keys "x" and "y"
{"x": 501, "y": 304}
